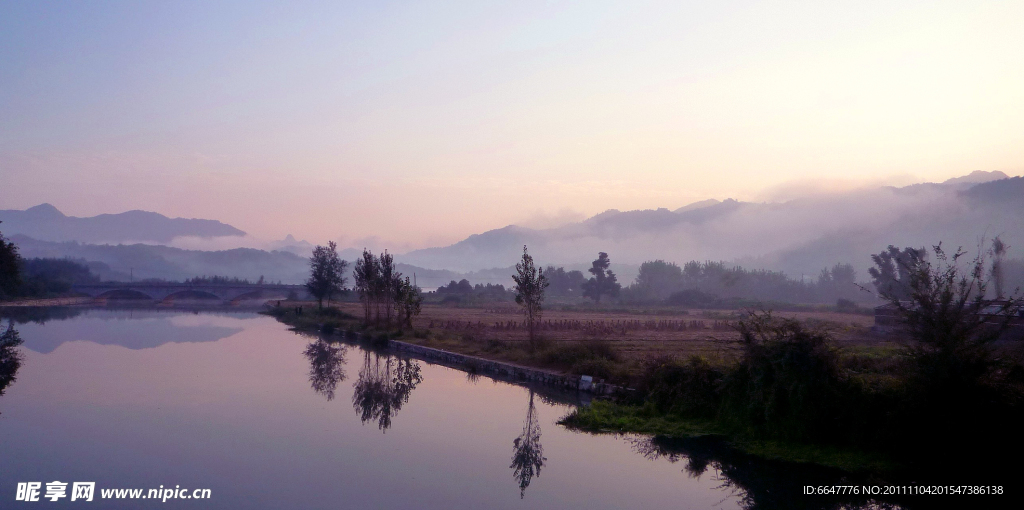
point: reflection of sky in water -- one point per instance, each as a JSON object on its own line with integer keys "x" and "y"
{"x": 238, "y": 415}
{"x": 131, "y": 329}
{"x": 268, "y": 419}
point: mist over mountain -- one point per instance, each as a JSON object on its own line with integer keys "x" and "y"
{"x": 46, "y": 223}
{"x": 799, "y": 236}
{"x": 142, "y": 261}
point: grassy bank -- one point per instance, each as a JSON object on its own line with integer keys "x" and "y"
{"x": 609, "y": 417}
{"x": 784, "y": 391}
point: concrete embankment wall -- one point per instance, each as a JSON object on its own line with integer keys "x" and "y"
{"x": 517, "y": 373}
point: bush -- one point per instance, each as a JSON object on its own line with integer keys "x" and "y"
{"x": 788, "y": 385}
{"x": 691, "y": 389}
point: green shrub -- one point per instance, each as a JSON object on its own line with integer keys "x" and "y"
{"x": 691, "y": 389}
{"x": 788, "y": 385}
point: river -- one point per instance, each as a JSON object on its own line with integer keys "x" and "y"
{"x": 267, "y": 418}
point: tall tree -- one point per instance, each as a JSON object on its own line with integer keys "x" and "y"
{"x": 603, "y": 282}
{"x": 366, "y": 274}
{"x": 529, "y": 289}
{"x": 409, "y": 301}
{"x": 10, "y": 269}
{"x": 390, "y": 280}
{"x": 326, "y": 273}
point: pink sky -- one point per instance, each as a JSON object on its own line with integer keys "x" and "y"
{"x": 421, "y": 124}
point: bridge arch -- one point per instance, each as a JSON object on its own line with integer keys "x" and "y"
{"x": 191, "y": 294}
{"x": 123, "y": 294}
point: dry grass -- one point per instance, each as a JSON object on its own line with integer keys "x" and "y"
{"x": 633, "y": 336}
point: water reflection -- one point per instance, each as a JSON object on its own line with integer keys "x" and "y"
{"x": 133, "y": 328}
{"x": 527, "y": 452}
{"x": 10, "y": 356}
{"x": 757, "y": 483}
{"x": 40, "y": 314}
{"x": 383, "y": 387}
{"x": 326, "y": 366}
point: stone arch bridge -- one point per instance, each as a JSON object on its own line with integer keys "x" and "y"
{"x": 160, "y": 291}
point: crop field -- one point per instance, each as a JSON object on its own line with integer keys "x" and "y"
{"x": 633, "y": 335}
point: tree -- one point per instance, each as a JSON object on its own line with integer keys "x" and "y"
{"x": 657, "y": 280}
{"x": 10, "y": 269}
{"x": 944, "y": 307}
{"x": 389, "y": 283}
{"x": 383, "y": 291}
{"x": 564, "y": 283}
{"x": 409, "y": 301}
{"x": 529, "y": 289}
{"x": 894, "y": 267}
{"x": 326, "y": 273}
{"x": 366, "y": 275}
{"x": 603, "y": 281}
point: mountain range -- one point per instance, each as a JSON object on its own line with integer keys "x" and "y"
{"x": 46, "y": 223}
{"x": 799, "y": 236}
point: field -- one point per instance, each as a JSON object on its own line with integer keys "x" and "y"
{"x": 630, "y": 335}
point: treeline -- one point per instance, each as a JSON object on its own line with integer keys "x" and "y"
{"x": 714, "y": 283}
{"x": 20, "y": 277}
{"x": 457, "y": 292}
{"x": 226, "y": 280}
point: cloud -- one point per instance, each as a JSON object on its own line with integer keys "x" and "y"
{"x": 823, "y": 187}
{"x": 542, "y": 219}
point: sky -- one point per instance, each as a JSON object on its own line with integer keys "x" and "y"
{"x": 414, "y": 124}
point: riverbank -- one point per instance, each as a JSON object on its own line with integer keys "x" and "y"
{"x": 605, "y": 416}
{"x": 600, "y": 417}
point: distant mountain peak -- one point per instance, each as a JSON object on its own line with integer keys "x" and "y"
{"x": 977, "y": 177}
{"x": 698, "y": 205}
{"x": 46, "y": 223}
{"x": 44, "y": 210}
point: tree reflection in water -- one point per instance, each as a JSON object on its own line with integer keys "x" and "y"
{"x": 10, "y": 356}
{"x": 383, "y": 387}
{"x": 527, "y": 452}
{"x": 759, "y": 483}
{"x": 326, "y": 366}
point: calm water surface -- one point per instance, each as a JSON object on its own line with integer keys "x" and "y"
{"x": 266, "y": 418}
